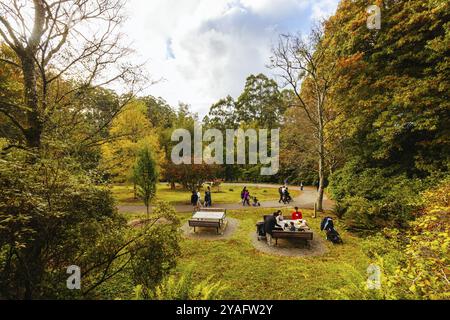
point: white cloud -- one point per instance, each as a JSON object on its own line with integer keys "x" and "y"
{"x": 205, "y": 49}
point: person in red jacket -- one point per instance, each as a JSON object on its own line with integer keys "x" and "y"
{"x": 297, "y": 214}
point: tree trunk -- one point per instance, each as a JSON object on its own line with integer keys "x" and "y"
{"x": 33, "y": 131}
{"x": 321, "y": 148}
{"x": 319, "y": 200}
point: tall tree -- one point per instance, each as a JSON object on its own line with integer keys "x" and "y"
{"x": 50, "y": 47}
{"x": 308, "y": 71}
{"x": 130, "y": 132}
{"x": 261, "y": 101}
{"x": 146, "y": 176}
{"x": 392, "y": 96}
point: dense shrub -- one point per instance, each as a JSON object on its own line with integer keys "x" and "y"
{"x": 373, "y": 198}
{"x": 53, "y": 215}
{"x": 414, "y": 263}
{"x": 183, "y": 287}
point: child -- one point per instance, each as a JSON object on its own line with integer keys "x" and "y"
{"x": 256, "y": 202}
{"x": 292, "y": 226}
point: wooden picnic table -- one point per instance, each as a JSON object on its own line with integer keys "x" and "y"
{"x": 208, "y": 218}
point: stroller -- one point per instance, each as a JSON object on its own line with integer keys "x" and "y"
{"x": 332, "y": 235}
{"x": 287, "y": 197}
{"x": 261, "y": 233}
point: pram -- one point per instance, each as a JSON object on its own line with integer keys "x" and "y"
{"x": 287, "y": 198}
{"x": 261, "y": 233}
{"x": 327, "y": 225}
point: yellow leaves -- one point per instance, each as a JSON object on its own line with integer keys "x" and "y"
{"x": 131, "y": 131}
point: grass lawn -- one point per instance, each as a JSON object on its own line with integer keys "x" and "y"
{"x": 229, "y": 193}
{"x": 251, "y": 274}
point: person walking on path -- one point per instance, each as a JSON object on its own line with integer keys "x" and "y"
{"x": 280, "y": 192}
{"x": 246, "y": 199}
{"x": 199, "y": 199}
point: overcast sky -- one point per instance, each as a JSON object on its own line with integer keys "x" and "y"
{"x": 204, "y": 49}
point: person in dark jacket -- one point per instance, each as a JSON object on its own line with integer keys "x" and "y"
{"x": 269, "y": 224}
{"x": 208, "y": 201}
{"x": 194, "y": 199}
{"x": 280, "y": 192}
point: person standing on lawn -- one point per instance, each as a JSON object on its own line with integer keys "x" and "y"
{"x": 269, "y": 224}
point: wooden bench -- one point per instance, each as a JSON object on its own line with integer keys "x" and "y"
{"x": 303, "y": 235}
{"x": 205, "y": 224}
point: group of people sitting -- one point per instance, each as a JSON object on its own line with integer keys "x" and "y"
{"x": 276, "y": 221}
{"x": 196, "y": 198}
{"x": 245, "y": 197}
{"x": 285, "y": 197}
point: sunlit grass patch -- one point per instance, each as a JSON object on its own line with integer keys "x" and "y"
{"x": 250, "y": 274}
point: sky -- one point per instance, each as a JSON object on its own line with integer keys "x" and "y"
{"x": 203, "y": 50}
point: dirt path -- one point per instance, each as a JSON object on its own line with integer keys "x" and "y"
{"x": 305, "y": 200}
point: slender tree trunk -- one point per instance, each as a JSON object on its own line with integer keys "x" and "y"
{"x": 321, "y": 184}
{"x": 33, "y": 131}
{"x": 321, "y": 148}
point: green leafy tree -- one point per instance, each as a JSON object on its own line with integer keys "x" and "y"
{"x": 146, "y": 176}
{"x": 391, "y": 101}
{"x": 155, "y": 255}
{"x": 48, "y": 53}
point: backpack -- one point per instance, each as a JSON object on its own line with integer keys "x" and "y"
{"x": 326, "y": 224}
{"x": 334, "y": 236}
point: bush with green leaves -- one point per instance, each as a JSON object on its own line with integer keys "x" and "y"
{"x": 145, "y": 176}
{"x": 182, "y": 287}
{"x": 414, "y": 262}
{"x": 374, "y": 198}
{"x": 53, "y": 215}
{"x": 155, "y": 255}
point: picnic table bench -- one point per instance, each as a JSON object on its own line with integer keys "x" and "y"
{"x": 205, "y": 224}
{"x": 303, "y": 235}
{"x": 208, "y": 218}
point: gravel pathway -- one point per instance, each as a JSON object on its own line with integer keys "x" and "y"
{"x": 305, "y": 200}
